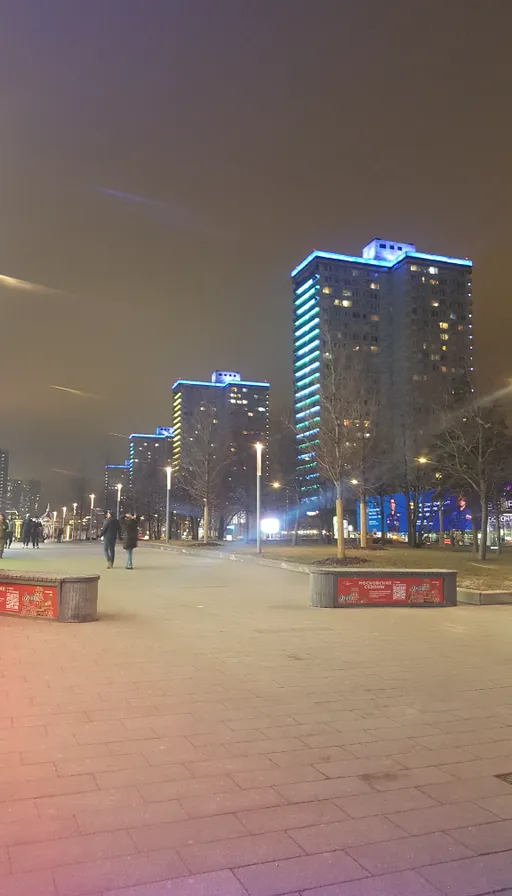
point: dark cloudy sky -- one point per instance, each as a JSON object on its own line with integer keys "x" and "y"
{"x": 247, "y": 132}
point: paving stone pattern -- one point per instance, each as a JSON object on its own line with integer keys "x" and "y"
{"x": 212, "y": 735}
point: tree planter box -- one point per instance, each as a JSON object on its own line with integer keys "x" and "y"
{"x": 65, "y": 598}
{"x": 341, "y": 588}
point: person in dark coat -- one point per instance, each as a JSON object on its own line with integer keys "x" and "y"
{"x": 110, "y": 533}
{"x": 10, "y": 533}
{"x": 26, "y": 531}
{"x": 130, "y": 537}
{"x": 36, "y": 530}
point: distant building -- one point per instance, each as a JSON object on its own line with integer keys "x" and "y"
{"x": 407, "y": 312}
{"x": 32, "y": 496}
{"x": 14, "y": 502}
{"x": 150, "y": 454}
{"x": 242, "y": 415}
{"x": 4, "y": 476}
{"x": 116, "y": 474}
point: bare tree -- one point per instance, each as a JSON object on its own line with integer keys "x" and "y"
{"x": 343, "y": 424}
{"x": 473, "y": 452}
{"x": 205, "y": 458}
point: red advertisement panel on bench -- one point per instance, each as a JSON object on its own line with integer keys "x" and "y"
{"x": 399, "y": 591}
{"x": 28, "y": 600}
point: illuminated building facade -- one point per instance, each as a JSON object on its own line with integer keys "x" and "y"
{"x": 116, "y": 474}
{"x": 408, "y": 311}
{"x": 149, "y": 450}
{"x": 241, "y": 411}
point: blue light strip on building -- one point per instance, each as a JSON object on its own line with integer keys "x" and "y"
{"x": 303, "y": 308}
{"x": 308, "y": 347}
{"x": 300, "y": 320}
{"x": 312, "y": 323}
{"x": 311, "y": 432}
{"x": 307, "y": 359}
{"x": 374, "y": 262}
{"x": 307, "y": 412}
{"x": 304, "y": 286}
{"x": 236, "y": 383}
{"x": 300, "y": 374}
{"x": 307, "y": 295}
{"x": 307, "y": 391}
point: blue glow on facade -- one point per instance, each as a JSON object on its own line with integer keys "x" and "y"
{"x": 311, "y": 432}
{"x": 150, "y": 435}
{"x": 375, "y": 262}
{"x": 306, "y": 296}
{"x": 301, "y": 377}
{"x": 304, "y": 286}
{"x": 300, "y": 311}
{"x": 229, "y": 383}
{"x": 307, "y": 358}
{"x": 304, "y": 329}
{"x": 311, "y": 345}
{"x": 307, "y": 391}
{"x": 300, "y": 320}
{"x": 307, "y": 412}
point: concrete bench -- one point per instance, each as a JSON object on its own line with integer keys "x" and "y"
{"x": 355, "y": 587}
{"x": 65, "y": 598}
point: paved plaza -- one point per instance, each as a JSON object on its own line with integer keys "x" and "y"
{"x": 212, "y": 735}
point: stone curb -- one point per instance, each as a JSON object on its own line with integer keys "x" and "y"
{"x": 234, "y": 557}
{"x": 483, "y": 598}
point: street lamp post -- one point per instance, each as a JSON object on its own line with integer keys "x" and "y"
{"x": 119, "y": 487}
{"x": 259, "y": 451}
{"x": 92, "y": 497}
{"x": 75, "y": 505}
{"x": 64, "y": 509}
{"x": 54, "y": 522}
{"x": 168, "y": 470}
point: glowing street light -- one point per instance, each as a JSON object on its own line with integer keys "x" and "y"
{"x": 75, "y": 505}
{"x": 423, "y": 460}
{"x": 92, "y": 497}
{"x": 276, "y": 485}
{"x": 168, "y": 470}
{"x": 64, "y": 509}
{"x": 259, "y": 452}
{"x": 119, "y": 487}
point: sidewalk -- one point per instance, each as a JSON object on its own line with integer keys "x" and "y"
{"x": 212, "y": 735}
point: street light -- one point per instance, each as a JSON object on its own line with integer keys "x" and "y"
{"x": 92, "y": 497}
{"x": 63, "y": 520}
{"x": 354, "y": 481}
{"x": 276, "y": 485}
{"x": 423, "y": 460}
{"x": 54, "y": 521}
{"x": 168, "y": 470}
{"x": 119, "y": 487}
{"x": 75, "y": 505}
{"x": 259, "y": 451}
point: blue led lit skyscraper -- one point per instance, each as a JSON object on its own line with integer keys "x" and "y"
{"x": 407, "y": 312}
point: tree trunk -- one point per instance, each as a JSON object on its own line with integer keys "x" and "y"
{"x": 497, "y": 504}
{"x": 482, "y": 553}
{"x": 206, "y": 522}
{"x": 295, "y": 536}
{"x": 194, "y": 525}
{"x": 382, "y": 520}
{"x": 339, "y": 519}
{"x": 475, "y": 532}
{"x": 362, "y": 513}
{"x": 221, "y": 527}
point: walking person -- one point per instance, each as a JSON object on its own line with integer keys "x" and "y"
{"x": 130, "y": 537}
{"x": 110, "y": 533}
{"x": 26, "y": 531}
{"x": 10, "y": 533}
{"x": 35, "y": 533}
{"x": 4, "y": 528}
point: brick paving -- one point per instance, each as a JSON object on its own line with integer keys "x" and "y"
{"x": 214, "y": 736}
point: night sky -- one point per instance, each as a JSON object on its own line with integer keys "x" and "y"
{"x": 165, "y": 163}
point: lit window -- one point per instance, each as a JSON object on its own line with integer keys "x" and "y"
{"x": 356, "y": 348}
{"x": 443, "y": 325}
{"x": 374, "y": 317}
{"x": 347, "y": 303}
{"x": 445, "y": 337}
{"x": 415, "y": 267}
{"x": 461, "y": 327}
{"x": 434, "y": 282}
{"x": 444, "y": 369}
{"x": 433, "y": 270}
{"x": 374, "y": 285}
{"x": 337, "y": 302}
{"x": 347, "y": 292}
{"x": 327, "y": 290}
{"x": 374, "y": 348}
{"x": 434, "y": 303}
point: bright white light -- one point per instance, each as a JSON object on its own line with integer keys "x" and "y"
{"x": 270, "y": 526}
